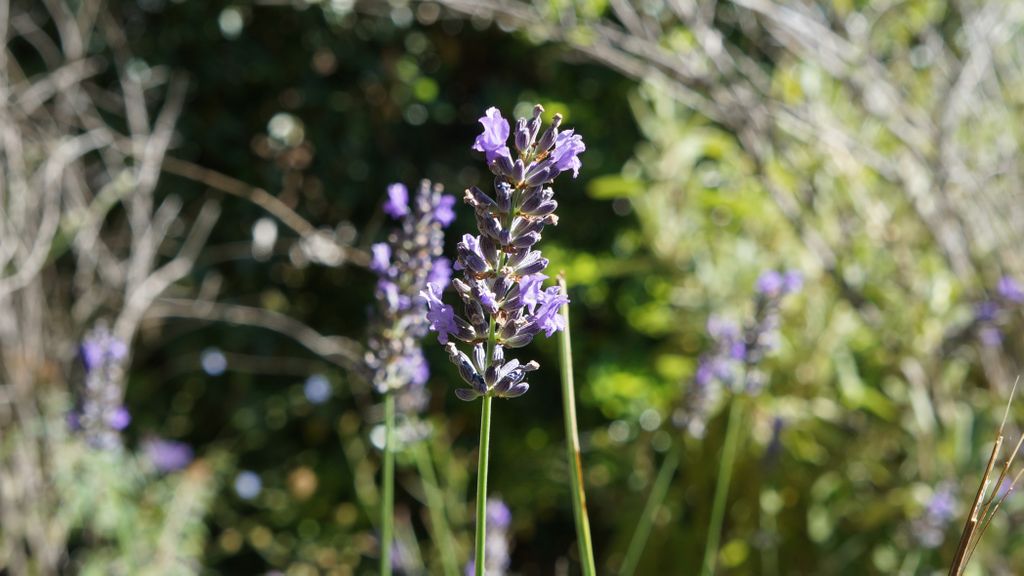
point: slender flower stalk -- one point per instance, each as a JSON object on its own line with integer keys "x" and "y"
{"x": 572, "y": 441}
{"x": 408, "y": 263}
{"x": 436, "y": 508}
{"x": 388, "y": 497}
{"x": 725, "y": 468}
{"x": 735, "y": 364}
{"x": 504, "y": 304}
{"x": 654, "y": 501}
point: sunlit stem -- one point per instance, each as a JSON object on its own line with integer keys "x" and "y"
{"x": 722, "y": 486}
{"x": 654, "y": 501}
{"x": 480, "y": 559}
{"x": 387, "y": 508}
{"x": 579, "y": 498}
{"x": 437, "y": 510}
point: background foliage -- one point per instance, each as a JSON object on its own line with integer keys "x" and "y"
{"x": 885, "y": 169}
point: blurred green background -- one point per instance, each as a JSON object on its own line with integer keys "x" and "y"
{"x": 838, "y": 160}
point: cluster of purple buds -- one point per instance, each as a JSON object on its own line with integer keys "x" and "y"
{"x": 408, "y": 263}
{"x": 734, "y": 362}
{"x": 99, "y": 413}
{"x": 929, "y": 529}
{"x": 989, "y": 314}
{"x": 498, "y": 543}
{"x": 504, "y": 303}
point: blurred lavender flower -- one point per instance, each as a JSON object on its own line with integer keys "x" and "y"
{"x": 167, "y": 455}
{"x": 991, "y": 313}
{"x": 733, "y": 362}
{"x": 98, "y": 412}
{"x": 1010, "y": 290}
{"x": 499, "y": 519}
{"x": 504, "y": 304}
{"x": 408, "y": 263}
{"x": 398, "y": 201}
{"x": 929, "y": 529}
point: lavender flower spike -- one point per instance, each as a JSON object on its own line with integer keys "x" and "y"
{"x": 503, "y": 303}
{"x": 98, "y": 411}
{"x": 734, "y": 362}
{"x": 409, "y": 262}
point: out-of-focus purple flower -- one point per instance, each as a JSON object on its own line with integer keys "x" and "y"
{"x": 167, "y": 455}
{"x": 492, "y": 141}
{"x": 990, "y": 336}
{"x": 411, "y": 275}
{"x": 444, "y": 212}
{"x": 986, "y": 311}
{"x": 381, "y": 257}
{"x": 792, "y": 281}
{"x": 498, "y": 514}
{"x": 929, "y": 529}
{"x": 991, "y": 314}
{"x": 119, "y": 418}
{"x": 101, "y": 347}
{"x": 397, "y": 204}
{"x": 734, "y": 359}
{"x": 773, "y": 283}
{"x": 503, "y": 300}
{"x": 497, "y": 546}
{"x": 1009, "y": 289}
{"x": 99, "y": 413}
{"x": 440, "y": 274}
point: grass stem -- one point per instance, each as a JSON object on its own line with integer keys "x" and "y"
{"x": 722, "y": 486}
{"x": 654, "y": 501}
{"x": 435, "y": 506}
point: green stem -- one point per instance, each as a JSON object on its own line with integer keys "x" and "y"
{"x": 643, "y": 529}
{"x": 481, "y": 486}
{"x": 722, "y": 486}
{"x": 579, "y": 497}
{"x": 387, "y": 508}
{"x": 436, "y": 508}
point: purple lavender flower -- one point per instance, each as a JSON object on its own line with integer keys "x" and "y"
{"x": 445, "y": 212}
{"x": 398, "y": 201}
{"x": 734, "y": 359}
{"x": 929, "y": 529}
{"x": 440, "y": 274}
{"x": 167, "y": 455}
{"x": 504, "y": 304}
{"x": 381, "y": 257}
{"x": 119, "y": 418}
{"x": 1010, "y": 290}
{"x": 492, "y": 140}
{"x": 991, "y": 313}
{"x": 568, "y": 146}
{"x": 407, "y": 264}
{"x": 497, "y": 546}
{"x": 99, "y": 413}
